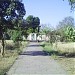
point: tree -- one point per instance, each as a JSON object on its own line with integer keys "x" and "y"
{"x": 63, "y": 25}
{"x": 33, "y": 22}
{"x": 47, "y": 30}
{"x": 24, "y": 28}
{"x": 36, "y": 23}
{"x": 72, "y": 3}
{"x": 10, "y": 11}
{"x": 70, "y": 33}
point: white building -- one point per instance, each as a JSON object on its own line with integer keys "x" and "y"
{"x": 34, "y": 37}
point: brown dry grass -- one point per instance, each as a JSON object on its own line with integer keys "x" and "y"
{"x": 10, "y": 56}
{"x": 66, "y": 47}
{"x": 67, "y": 62}
{"x": 59, "y": 54}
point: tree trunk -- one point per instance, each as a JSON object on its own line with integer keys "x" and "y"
{"x": 3, "y": 46}
{"x": 49, "y": 38}
{"x": 56, "y": 42}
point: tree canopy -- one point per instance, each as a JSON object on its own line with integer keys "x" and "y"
{"x": 33, "y": 22}
{"x": 11, "y": 14}
{"x": 10, "y": 11}
{"x": 72, "y": 3}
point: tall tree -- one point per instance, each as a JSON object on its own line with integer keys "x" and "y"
{"x": 36, "y": 23}
{"x": 10, "y": 10}
{"x": 25, "y": 28}
{"x": 33, "y": 22}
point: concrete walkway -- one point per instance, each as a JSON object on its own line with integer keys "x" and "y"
{"x": 33, "y": 61}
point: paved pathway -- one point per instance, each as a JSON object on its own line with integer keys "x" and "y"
{"x": 34, "y": 61}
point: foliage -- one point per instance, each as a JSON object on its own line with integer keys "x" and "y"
{"x": 16, "y": 35}
{"x": 70, "y": 33}
{"x": 49, "y": 32}
{"x": 72, "y": 3}
{"x": 10, "y": 11}
{"x": 45, "y": 28}
{"x": 33, "y": 22}
{"x": 62, "y": 27}
{"x": 25, "y": 28}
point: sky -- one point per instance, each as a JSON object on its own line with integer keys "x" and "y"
{"x": 49, "y": 11}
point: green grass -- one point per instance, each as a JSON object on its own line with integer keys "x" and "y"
{"x": 48, "y": 48}
{"x": 10, "y": 56}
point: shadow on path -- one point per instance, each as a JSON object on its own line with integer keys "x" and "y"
{"x": 34, "y": 45}
{"x": 34, "y": 53}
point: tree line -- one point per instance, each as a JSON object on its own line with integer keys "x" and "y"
{"x": 64, "y": 31}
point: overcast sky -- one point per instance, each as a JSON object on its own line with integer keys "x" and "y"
{"x": 49, "y": 11}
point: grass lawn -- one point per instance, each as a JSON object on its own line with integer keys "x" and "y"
{"x": 67, "y": 63}
{"x": 6, "y": 63}
{"x": 10, "y": 56}
{"x": 64, "y": 55}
